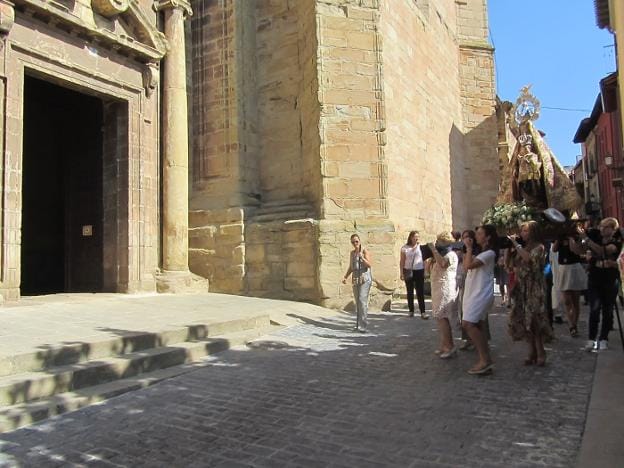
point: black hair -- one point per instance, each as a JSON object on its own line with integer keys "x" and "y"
{"x": 490, "y": 230}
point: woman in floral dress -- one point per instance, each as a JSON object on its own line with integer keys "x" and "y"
{"x": 529, "y": 319}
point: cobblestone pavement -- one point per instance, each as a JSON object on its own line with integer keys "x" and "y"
{"x": 318, "y": 395}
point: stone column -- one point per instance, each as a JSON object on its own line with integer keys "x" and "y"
{"x": 175, "y": 139}
{"x": 176, "y": 275}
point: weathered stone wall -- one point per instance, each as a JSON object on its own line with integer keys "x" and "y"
{"x": 423, "y": 110}
{"x": 478, "y": 92}
{"x": 353, "y": 161}
{"x": 223, "y": 109}
{"x": 286, "y": 92}
{"x": 353, "y": 134}
{"x": 217, "y": 248}
{"x": 281, "y": 259}
{"x": 256, "y": 137}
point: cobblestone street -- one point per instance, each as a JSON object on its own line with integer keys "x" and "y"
{"x": 319, "y": 395}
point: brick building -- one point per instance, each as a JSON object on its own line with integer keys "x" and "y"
{"x": 308, "y": 120}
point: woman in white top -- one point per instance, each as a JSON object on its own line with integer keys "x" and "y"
{"x": 479, "y": 293}
{"x": 444, "y": 291}
{"x": 413, "y": 273}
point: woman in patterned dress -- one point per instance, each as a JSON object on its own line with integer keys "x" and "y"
{"x": 444, "y": 291}
{"x": 528, "y": 319}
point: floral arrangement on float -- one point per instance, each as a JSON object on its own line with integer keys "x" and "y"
{"x": 507, "y": 217}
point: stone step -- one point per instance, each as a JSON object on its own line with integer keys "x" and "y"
{"x": 30, "y": 386}
{"x": 126, "y": 342}
{"x": 22, "y": 414}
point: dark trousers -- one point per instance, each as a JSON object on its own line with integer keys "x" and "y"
{"x": 417, "y": 281}
{"x": 601, "y": 303}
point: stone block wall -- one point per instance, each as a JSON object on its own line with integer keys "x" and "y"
{"x": 224, "y": 160}
{"x": 423, "y": 114}
{"x": 281, "y": 259}
{"x": 478, "y": 93}
{"x": 286, "y": 99}
{"x": 354, "y": 168}
{"x": 366, "y": 113}
{"x": 217, "y": 248}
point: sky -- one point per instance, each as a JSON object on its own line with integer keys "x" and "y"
{"x": 556, "y": 46}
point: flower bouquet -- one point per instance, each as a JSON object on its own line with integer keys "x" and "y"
{"x": 507, "y": 217}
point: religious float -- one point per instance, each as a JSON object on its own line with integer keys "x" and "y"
{"x": 534, "y": 185}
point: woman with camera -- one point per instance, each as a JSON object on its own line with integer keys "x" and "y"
{"x": 360, "y": 269}
{"x": 602, "y": 279}
{"x": 444, "y": 291}
{"x": 528, "y": 319}
{"x": 479, "y": 293}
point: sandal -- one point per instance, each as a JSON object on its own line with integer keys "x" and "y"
{"x": 482, "y": 370}
{"x": 530, "y": 361}
{"x": 573, "y": 332}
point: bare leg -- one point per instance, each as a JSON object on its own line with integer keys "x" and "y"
{"x": 572, "y": 306}
{"x": 480, "y": 343}
{"x": 541, "y": 352}
{"x": 532, "y": 357}
{"x": 576, "y": 307}
{"x": 446, "y": 335}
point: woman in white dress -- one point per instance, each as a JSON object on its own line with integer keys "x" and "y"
{"x": 444, "y": 291}
{"x": 479, "y": 293}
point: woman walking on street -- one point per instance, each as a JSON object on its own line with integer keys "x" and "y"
{"x": 412, "y": 269}
{"x": 479, "y": 293}
{"x": 444, "y": 291}
{"x": 528, "y": 319}
{"x": 360, "y": 268}
{"x": 571, "y": 280}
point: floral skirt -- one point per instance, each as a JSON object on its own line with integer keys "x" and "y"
{"x": 528, "y": 316}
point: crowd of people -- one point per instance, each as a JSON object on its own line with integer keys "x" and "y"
{"x": 535, "y": 279}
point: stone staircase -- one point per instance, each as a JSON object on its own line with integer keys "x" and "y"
{"x": 38, "y": 385}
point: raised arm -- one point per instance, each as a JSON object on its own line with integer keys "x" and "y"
{"x": 440, "y": 260}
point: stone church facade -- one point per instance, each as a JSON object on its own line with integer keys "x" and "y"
{"x": 315, "y": 119}
{"x": 244, "y": 139}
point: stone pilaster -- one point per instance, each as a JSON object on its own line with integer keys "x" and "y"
{"x": 176, "y": 275}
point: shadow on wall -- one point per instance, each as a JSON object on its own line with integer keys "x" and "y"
{"x": 475, "y": 174}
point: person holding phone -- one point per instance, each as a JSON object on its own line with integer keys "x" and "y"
{"x": 360, "y": 269}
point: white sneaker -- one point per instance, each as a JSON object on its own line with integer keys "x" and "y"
{"x": 604, "y": 344}
{"x": 591, "y": 346}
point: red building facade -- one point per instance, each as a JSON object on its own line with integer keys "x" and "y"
{"x": 601, "y": 137}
